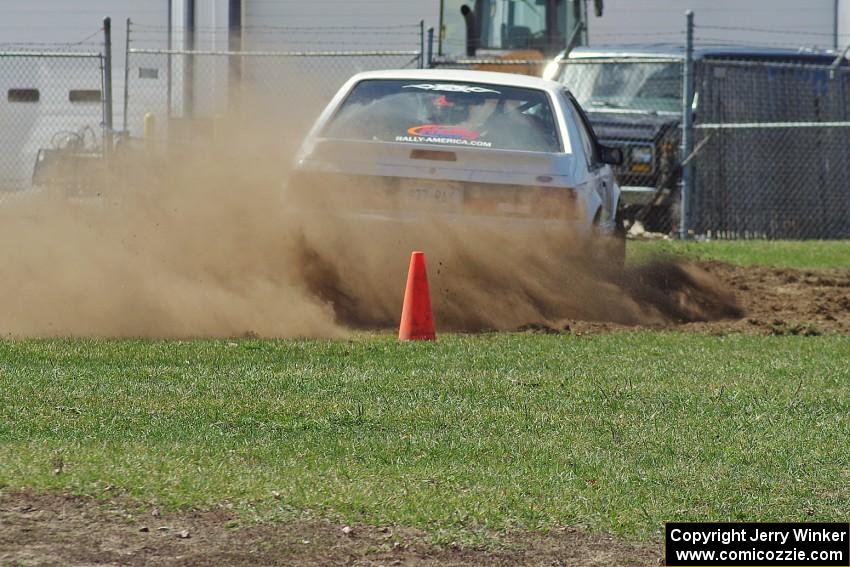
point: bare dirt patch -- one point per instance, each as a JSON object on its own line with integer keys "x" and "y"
{"x": 770, "y": 301}
{"x": 783, "y": 301}
{"x": 56, "y": 529}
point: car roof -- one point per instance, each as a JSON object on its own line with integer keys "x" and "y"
{"x": 717, "y": 51}
{"x": 464, "y": 76}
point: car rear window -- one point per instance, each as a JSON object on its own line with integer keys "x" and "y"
{"x": 447, "y": 113}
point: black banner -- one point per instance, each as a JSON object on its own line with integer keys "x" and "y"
{"x": 744, "y": 544}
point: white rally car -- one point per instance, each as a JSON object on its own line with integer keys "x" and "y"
{"x": 509, "y": 151}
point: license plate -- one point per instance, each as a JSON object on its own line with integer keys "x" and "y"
{"x": 432, "y": 195}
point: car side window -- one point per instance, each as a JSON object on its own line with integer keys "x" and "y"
{"x": 587, "y": 140}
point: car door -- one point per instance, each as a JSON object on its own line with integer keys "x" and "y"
{"x": 600, "y": 175}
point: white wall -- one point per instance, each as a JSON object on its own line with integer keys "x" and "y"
{"x": 62, "y": 21}
{"x": 844, "y": 22}
{"x": 291, "y": 25}
{"x": 810, "y": 23}
{"x": 398, "y": 18}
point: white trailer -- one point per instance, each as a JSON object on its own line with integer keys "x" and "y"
{"x": 44, "y": 98}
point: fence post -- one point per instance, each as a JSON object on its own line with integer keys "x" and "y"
{"x": 168, "y": 94}
{"x": 107, "y": 87}
{"x": 189, "y": 60}
{"x": 687, "y": 128}
{"x": 421, "y": 44}
{"x": 126, "y": 76}
{"x": 430, "y": 47}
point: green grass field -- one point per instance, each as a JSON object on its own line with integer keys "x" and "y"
{"x": 463, "y": 437}
{"x": 804, "y": 255}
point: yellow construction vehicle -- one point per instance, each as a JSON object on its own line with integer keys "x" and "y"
{"x": 521, "y": 30}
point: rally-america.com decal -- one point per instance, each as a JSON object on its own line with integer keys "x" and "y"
{"x": 439, "y": 134}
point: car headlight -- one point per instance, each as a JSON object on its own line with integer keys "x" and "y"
{"x": 642, "y": 155}
{"x": 640, "y": 160}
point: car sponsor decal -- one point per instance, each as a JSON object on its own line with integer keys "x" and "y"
{"x": 437, "y": 130}
{"x": 440, "y": 134}
{"x": 450, "y": 88}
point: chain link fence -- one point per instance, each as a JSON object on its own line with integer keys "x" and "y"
{"x": 52, "y": 103}
{"x": 292, "y": 87}
{"x": 772, "y": 151}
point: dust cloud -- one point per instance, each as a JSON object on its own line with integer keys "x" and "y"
{"x": 197, "y": 240}
{"x": 180, "y": 243}
{"x": 482, "y": 279}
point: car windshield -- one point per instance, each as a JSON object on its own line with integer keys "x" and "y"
{"x": 447, "y": 114}
{"x": 638, "y": 86}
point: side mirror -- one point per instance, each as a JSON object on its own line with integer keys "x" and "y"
{"x": 611, "y": 156}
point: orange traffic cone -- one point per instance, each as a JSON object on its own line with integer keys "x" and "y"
{"x": 417, "y": 321}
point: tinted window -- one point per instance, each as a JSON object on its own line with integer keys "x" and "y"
{"x": 447, "y": 114}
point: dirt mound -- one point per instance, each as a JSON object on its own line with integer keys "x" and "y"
{"x": 783, "y": 301}
{"x": 53, "y": 529}
{"x": 773, "y": 301}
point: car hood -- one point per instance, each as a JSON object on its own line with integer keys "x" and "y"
{"x": 630, "y": 125}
